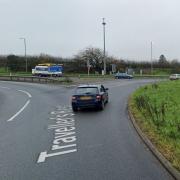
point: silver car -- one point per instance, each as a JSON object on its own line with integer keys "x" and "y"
{"x": 174, "y": 76}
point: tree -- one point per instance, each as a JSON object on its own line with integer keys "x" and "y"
{"x": 94, "y": 56}
{"x": 175, "y": 64}
{"x": 162, "y": 61}
{"x": 13, "y": 62}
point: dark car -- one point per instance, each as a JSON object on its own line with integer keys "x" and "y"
{"x": 123, "y": 76}
{"x": 90, "y": 96}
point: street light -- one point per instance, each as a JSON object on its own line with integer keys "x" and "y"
{"x": 104, "y": 35}
{"x": 24, "y": 39}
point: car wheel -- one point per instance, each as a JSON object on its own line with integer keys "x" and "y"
{"x": 75, "y": 109}
{"x": 107, "y": 100}
{"x": 102, "y": 105}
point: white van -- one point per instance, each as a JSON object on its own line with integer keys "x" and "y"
{"x": 174, "y": 76}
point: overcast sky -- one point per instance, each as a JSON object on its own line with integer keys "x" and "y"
{"x": 64, "y": 27}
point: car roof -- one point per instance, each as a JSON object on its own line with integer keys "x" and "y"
{"x": 89, "y": 85}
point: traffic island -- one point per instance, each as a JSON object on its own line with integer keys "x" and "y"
{"x": 150, "y": 138}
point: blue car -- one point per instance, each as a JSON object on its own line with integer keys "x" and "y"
{"x": 89, "y": 96}
{"x": 123, "y": 76}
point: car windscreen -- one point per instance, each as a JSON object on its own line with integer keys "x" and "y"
{"x": 41, "y": 69}
{"x": 87, "y": 90}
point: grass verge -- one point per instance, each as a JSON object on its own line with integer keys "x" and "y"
{"x": 156, "y": 108}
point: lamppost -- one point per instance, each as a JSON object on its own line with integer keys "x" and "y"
{"x": 104, "y": 36}
{"x": 151, "y": 58}
{"x": 24, "y": 39}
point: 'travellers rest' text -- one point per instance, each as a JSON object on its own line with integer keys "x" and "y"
{"x": 64, "y": 133}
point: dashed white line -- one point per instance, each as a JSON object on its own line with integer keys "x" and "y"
{"x": 25, "y": 92}
{"x": 22, "y": 109}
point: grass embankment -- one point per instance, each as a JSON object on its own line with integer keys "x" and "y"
{"x": 4, "y": 72}
{"x": 156, "y": 108}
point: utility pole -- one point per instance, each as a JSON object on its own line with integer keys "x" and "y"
{"x": 24, "y": 39}
{"x": 104, "y": 37}
{"x": 151, "y": 59}
{"x": 88, "y": 66}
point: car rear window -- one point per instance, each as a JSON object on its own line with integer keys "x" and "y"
{"x": 87, "y": 90}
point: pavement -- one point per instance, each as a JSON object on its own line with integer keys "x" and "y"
{"x": 42, "y": 139}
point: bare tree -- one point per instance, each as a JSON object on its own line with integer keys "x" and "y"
{"x": 94, "y": 56}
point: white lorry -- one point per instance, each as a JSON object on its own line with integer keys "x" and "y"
{"x": 48, "y": 70}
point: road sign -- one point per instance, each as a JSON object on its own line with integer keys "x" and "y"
{"x": 113, "y": 68}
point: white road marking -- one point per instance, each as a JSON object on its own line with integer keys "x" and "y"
{"x": 44, "y": 155}
{"x": 65, "y": 135}
{"x": 22, "y": 109}
{"x": 25, "y": 92}
{"x": 4, "y": 87}
{"x": 25, "y": 105}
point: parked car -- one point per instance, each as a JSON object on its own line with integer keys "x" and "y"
{"x": 174, "y": 76}
{"x": 88, "y": 96}
{"x": 123, "y": 76}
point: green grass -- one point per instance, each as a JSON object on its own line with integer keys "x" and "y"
{"x": 164, "y": 71}
{"x": 151, "y": 76}
{"x": 156, "y": 108}
{"x": 157, "y": 71}
{"x": 3, "y": 70}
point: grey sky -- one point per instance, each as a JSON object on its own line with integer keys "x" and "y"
{"x": 64, "y": 27}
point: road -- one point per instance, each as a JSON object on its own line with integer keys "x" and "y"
{"x": 41, "y": 139}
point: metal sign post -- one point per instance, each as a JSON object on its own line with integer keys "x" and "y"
{"x": 88, "y": 66}
{"x": 113, "y": 68}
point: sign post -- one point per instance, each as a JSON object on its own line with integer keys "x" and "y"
{"x": 113, "y": 68}
{"x": 88, "y": 66}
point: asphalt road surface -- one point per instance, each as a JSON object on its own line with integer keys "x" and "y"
{"x": 41, "y": 138}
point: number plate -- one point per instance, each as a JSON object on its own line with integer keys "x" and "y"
{"x": 85, "y": 97}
